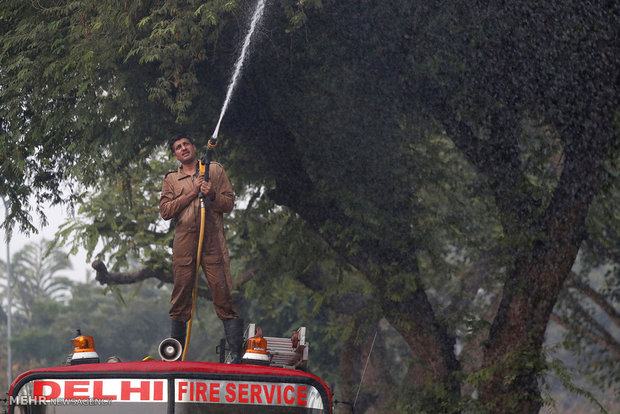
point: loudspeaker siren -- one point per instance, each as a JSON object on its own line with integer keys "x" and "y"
{"x": 170, "y": 349}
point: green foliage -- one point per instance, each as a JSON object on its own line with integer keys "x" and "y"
{"x": 34, "y": 341}
{"x": 430, "y": 399}
{"x": 290, "y": 278}
{"x": 564, "y": 374}
{"x": 54, "y": 96}
{"x": 121, "y": 216}
{"x": 130, "y": 332}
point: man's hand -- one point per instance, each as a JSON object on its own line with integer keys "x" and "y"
{"x": 206, "y": 189}
{"x": 197, "y": 184}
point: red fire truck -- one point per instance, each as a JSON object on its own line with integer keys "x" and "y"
{"x": 275, "y": 385}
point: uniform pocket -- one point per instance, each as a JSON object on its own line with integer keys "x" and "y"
{"x": 179, "y": 191}
{"x": 182, "y": 261}
{"x": 213, "y": 259}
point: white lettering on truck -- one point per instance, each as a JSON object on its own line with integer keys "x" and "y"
{"x": 185, "y": 391}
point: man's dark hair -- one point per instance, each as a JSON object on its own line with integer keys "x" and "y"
{"x": 177, "y": 137}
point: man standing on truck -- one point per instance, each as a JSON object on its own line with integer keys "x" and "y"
{"x": 180, "y": 201}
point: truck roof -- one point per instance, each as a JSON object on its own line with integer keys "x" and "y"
{"x": 171, "y": 383}
{"x": 174, "y": 366}
{"x": 161, "y": 368}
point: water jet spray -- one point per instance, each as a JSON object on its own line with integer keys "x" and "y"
{"x": 256, "y": 17}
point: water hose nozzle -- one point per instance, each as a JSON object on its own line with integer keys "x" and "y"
{"x": 212, "y": 142}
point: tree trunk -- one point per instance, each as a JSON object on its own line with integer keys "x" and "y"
{"x": 513, "y": 355}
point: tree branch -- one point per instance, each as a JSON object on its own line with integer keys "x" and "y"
{"x": 498, "y": 160}
{"x": 594, "y": 330}
{"x": 596, "y": 297}
{"x": 123, "y": 278}
{"x": 613, "y": 348}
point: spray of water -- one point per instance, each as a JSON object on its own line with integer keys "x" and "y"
{"x": 258, "y": 13}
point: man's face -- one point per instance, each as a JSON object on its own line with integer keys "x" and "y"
{"x": 184, "y": 150}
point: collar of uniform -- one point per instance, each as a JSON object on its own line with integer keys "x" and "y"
{"x": 182, "y": 172}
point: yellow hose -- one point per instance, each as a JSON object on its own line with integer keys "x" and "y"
{"x": 198, "y": 257}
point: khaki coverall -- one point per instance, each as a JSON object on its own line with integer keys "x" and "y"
{"x": 176, "y": 203}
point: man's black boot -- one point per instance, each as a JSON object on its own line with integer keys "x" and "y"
{"x": 233, "y": 329}
{"x": 178, "y": 331}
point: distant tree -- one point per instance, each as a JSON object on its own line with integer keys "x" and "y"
{"x": 130, "y": 329}
{"x": 36, "y": 270}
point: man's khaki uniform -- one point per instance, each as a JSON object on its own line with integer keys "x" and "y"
{"x": 176, "y": 203}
